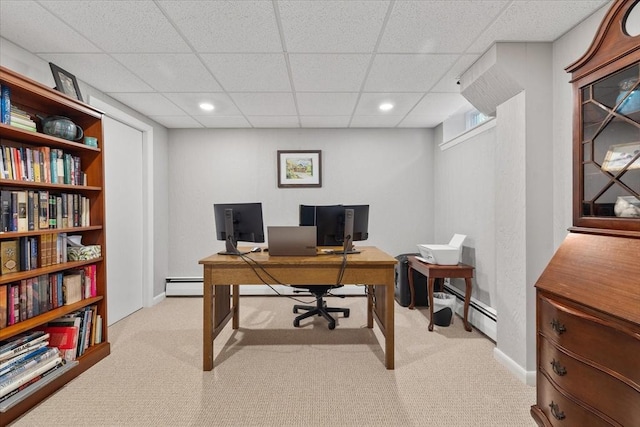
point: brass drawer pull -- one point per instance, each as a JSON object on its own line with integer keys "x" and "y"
{"x": 557, "y": 326}
{"x": 555, "y": 411}
{"x": 558, "y": 368}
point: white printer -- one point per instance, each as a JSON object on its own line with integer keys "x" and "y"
{"x": 443, "y": 254}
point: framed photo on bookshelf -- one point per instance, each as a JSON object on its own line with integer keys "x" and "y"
{"x": 620, "y": 155}
{"x": 299, "y": 168}
{"x": 65, "y": 82}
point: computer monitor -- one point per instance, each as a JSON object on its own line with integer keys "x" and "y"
{"x": 238, "y": 222}
{"x": 337, "y": 224}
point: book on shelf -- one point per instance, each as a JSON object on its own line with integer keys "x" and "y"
{"x": 9, "y": 256}
{"x": 27, "y": 389}
{"x": 21, "y": 343}
{"x": 40, "y": 368}
{"x": 8, "y": 364}
{"x": 5, "y": 104}
{"x": 64, "y": 338}
{"x": 23, "y": 365}
{"x": 4, "y": 295}
{"x": 72, "y": 287}
{"x": 5, "y": 210}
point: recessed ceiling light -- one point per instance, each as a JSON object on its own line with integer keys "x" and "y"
{"x": 207, "y": 106}
{"x": 385, "y": 106}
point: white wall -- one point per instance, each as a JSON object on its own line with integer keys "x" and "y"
{"x": 389, "y": 169}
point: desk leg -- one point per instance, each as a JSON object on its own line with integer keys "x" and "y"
{"x": 467, "y": 300}
{"x": 389, "y": 327}
{"x": 430, "y": 285}
{"x": 370, "y": 296}
{"x": 412, "y": 304}
{"x": 207, "y": 328}
{"x": 235, "y": 299}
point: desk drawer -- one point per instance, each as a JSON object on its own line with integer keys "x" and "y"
{"x": 563, "y": 412}
{"x": 590, "y": 385}
{"x": 599, "y": 340}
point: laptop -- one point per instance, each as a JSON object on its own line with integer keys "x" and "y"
{"x": 291, "y": 240}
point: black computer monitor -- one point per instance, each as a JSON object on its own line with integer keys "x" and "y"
{"x": 337, "y": 224}
{"x": 238, "y": 222}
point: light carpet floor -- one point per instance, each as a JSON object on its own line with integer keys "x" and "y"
{"x": 269, "y": 373}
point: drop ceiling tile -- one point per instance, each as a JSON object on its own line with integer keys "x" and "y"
{"x": 99, "y": 70}
{"x": 265, "y": 104}
{"x": 325, "y": 121}
{"x": 223, "y": 121}
{"x": 30, "y": 26}
{"x": 332, "y": 26}
{"x": 327, "y": 72}
{"x": 171, "y": 72}
{"x": 190, "y": 103}
{"x": 407, "y": 73}
{"x": 149, "y": 104}
{"x": 535, "y": 21}
{"x": 120, "y": 26}
{"x": 326, "y": 103}
{"x": 437, "y": 26}
{"x": 274, "y": 121}
{"x": 226, "y": 26}
{"x": 177, "y": 122}
{"x": 433, "y": 109}
{"x": 246, "y": 72}
{"x": 375, "y": 121}
{"x": 369, "y": 103}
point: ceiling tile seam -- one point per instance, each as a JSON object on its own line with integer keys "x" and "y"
{"x": 276, "y": 12}
{"x": 487, "y": 27}
{"x": 383, "y": 28}
{"x": 53, "y": 13}
{"x": 204, "y": 64}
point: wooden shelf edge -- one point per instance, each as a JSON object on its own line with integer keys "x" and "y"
{"x": 54, "y": 268}
{"x": 90, "y": 358}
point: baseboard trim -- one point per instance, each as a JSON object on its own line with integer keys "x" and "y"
{"x": 481, "y": 316}
{"x": 527, "y": 377}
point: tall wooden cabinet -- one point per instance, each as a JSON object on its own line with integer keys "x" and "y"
{"x": 588, "y": 297}
{"x": 35, "y": 98}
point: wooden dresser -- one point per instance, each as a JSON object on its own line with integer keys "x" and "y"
{"x": 588, "y": 297}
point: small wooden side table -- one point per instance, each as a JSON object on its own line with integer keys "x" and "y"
{"x": 435, "y": 271}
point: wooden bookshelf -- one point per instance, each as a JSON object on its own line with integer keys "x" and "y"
{"x": 37, "y": 99}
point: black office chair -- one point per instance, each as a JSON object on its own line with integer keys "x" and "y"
{"x": 320, "y": 309}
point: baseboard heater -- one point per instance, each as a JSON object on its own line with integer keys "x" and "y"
{"x": 481, "y": 316}
{"x": 192, "y": 286}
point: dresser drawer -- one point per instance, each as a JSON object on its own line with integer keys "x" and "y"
{"x": 590, "y": 385}
{"x": 597, "y": 340}
{"x": 563, "y": 412}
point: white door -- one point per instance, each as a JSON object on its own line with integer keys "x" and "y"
{"x": 123, "y": 192}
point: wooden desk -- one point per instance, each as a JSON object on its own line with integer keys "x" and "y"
{"x": 433, "y": 272}
{"x": 223, "y": 275}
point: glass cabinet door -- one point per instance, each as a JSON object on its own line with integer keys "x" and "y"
{"x": 610, "y": 148}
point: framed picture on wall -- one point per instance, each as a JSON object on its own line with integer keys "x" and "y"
{"x": 299, "y": 168}
{"x": 65, "y": 82}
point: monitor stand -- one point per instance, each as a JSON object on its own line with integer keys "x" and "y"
{"x": 231, "y": 248}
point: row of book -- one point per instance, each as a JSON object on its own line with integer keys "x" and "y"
{"x": 10, "y": 114}
{"x": 31, "y": 297}
{"x": 29, "y": 210}
{"x": 41, "y": 164}
{"x": 21, "y": 119}
{"x": 31, "y": 252}
{"x": 28, "y": 361}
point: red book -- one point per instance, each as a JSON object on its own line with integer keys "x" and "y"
{"x": 63, "y": 337}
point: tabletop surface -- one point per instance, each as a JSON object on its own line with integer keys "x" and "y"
{"x": 369, "y": 255}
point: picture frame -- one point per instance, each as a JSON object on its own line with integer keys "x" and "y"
{"x": 299, "y": 168}
{"x": 620, "y": 155}
{"x": 65, "y": 82}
